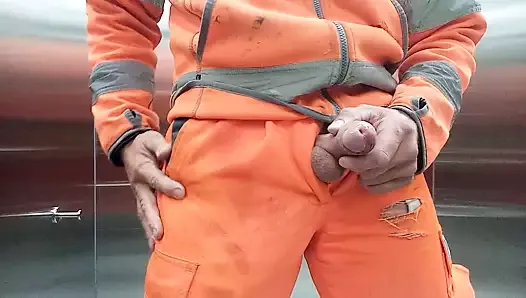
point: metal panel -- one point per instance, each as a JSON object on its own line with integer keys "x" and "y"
{"x": 46, "y": 158}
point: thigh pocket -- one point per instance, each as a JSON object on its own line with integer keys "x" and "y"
{"x": 168, "y": 277}
{"x": 448, "y": 263}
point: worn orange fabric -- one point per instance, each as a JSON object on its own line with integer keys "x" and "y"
{"x": 254, "y": 207}
{"x": 264, "y": 33}
{"x": 138, "y": 35}
{"x": 455, "y": 43}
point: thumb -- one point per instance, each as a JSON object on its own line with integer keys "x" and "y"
{"x": 335, "y": 126}
{"x": 156, "y": 144}
{"x": 163, "y": 152}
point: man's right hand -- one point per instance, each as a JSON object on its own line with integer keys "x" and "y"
{"x": 141, "y": 160}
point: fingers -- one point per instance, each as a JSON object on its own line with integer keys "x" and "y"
{"x": 362, "y": 113}
{"x": 376, "y": 177}
{"x": 141, "y": 162}
{"x": 389, "y": 186}
{"x": 156, "y": 179}
{"x": 163, "y": 152}
{"x": 146, "y": 228}
{"x": 377, "y": 159}
{"x": 147, "y": 211}
{"x": 392, "y": 161}
{"x": 155, "y": 143}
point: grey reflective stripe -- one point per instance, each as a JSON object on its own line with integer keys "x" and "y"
{"x": 373, "y": 75}
{"x": 254, "y": 94}
{"x": 425, "y": 15}
{"x": 404, "y": 24}
{"x": 158, "y": 3}
{"x": 116, "y": 75}
{"x": 443, "y": 76}
{"x": 134, "y": 117}
{"x": 282, "y": 84}
{"x": 285, "y": 82}
{"x": 206, "y": 18}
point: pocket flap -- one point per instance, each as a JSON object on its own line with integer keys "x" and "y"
{"x": 168, "y": 277}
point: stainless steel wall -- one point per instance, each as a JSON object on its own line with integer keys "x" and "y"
{"x": 48, "y": 158}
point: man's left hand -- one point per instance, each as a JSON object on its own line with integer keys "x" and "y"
{"x": 392, "y": 163}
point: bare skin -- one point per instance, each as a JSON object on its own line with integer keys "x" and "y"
{"x": 358, "y": 138}
{"x": 390, "y": 164}
{"x": 141, "y": 159}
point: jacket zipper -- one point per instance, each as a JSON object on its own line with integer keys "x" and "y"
{"x": 206, "y": 19}
{"x": 317, "y": 8}
{"x": 344, "y": 56}
{"x": 344, "y": 53}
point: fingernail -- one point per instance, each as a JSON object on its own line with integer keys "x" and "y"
{"x": 178, "y": 193}
{"x": 335, "y": 126}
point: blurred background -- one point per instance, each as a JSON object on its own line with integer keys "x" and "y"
{"x": 49, "y": 157}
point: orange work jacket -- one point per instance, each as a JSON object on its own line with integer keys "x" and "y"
{"x": 283, "y": 60}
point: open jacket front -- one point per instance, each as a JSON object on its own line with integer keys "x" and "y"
{"x": 283, "y": 60}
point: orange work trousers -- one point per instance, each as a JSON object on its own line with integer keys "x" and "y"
{"x": 254, "y": 207}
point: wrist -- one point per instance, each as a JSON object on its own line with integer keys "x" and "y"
{"x": 421, "y": 141}
{"x": 116, "y": 150}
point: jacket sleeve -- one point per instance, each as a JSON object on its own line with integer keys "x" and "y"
{"x": 437, "y": 69}
{"x": 122, "y": 37}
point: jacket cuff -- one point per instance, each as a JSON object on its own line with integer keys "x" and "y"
{"x": 415, "y": 115}
{"x": 114, "y": 153}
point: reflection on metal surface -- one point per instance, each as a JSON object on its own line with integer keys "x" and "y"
{"x": 466, "y": 211}
{"x": 52, "y": 213}
{"x": 27, "y": 149}
{"x": 110, "y": 184}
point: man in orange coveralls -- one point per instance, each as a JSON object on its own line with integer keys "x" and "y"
{"x": 256, "y": 82}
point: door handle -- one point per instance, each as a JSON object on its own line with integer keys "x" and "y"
{"x": 54, "y": 214}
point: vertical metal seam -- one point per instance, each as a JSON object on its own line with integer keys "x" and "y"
{"x": 95, "y": 281}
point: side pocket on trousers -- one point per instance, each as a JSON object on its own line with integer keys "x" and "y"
{"x": 177, "y": 126}
{"x": 175, "y": 131}
{"x": 448, "y": 264}
{"x": 168, "y": 277}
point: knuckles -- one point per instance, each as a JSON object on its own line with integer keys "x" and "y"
{"x": 381, "y": 158}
